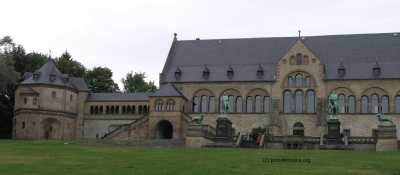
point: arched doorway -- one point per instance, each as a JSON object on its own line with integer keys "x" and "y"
{"x": 51, "y": 128}
{"x": 164, "y": 130}
{"x": 298, "y": 129}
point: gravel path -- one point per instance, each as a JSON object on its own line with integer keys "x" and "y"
{"x": 176, "y": 143}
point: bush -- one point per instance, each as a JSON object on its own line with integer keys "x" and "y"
{"x": 256, "y": 131}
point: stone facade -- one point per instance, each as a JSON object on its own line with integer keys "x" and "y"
{"x": 272, "y": 83}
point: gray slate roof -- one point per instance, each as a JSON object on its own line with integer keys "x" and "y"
{"x": 358, "y": 53}
{"x": 43, "y": 77}
{"x": 168, "y": 90}
{"x": 118, "y": 97}
{"x": 29, "y": 91}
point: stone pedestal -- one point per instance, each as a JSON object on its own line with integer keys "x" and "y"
{"x": 223, "y": 136}
{"x": 333, "y": 137}
{"x": 198, "y": 135}
{"x": 387, "y": 139}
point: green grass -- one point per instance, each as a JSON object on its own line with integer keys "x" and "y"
{"x": 54, "y": 157}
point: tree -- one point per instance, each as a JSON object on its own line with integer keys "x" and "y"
{"x": 100, "y": 80}
{"x": 67, "y": 65}
{"x": 135, "y": 83}
{"x": 8, "y": 79}
{"x": 8, "y": 75}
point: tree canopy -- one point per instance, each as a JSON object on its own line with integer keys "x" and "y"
{"x": 100, "y": 80}
{"x": 136, "y": 83}
{"x": 67, "y": 65}
{"x": 8, "y": 74}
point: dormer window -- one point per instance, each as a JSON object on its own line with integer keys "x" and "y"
{"x": 36, "y": 74}
{"x": 377, "y": 69}
{"x": 53, "y": 75}
{"x": 230, "y": 72}
{"x": 341, "y": 69}
{"x": 206, "y": 72}
{"x": 260, "y": 71}
{"x": 178, "y": 72}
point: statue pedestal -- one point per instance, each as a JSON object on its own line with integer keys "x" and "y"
{"x": 387, "y": 139}
{"x": 223, "y": 137}
{"x": 333, "y": 137}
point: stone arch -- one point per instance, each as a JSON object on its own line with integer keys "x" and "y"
{"x": 203, "y": 92}
{"x": 164, "y": 130}
{"x": 235, "y": 93}
{"x": 343, "y": 90}
{"x": 284, "y": 82}
{"x": 51, "y": 128}
{"x": 298, "y": 129}
{"x": 374, "y": 90}
{"x": 257, "y": 91}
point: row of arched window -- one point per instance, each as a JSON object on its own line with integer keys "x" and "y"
{"x": 125, "y": 109}
{"x": 298, "y": 103}
{"x": 368, "y": 105}
{"x": 34, "y": 101}
{"x": 257, "y": 104}
{"x": 299, "y": 81}
{"x": 169, "y": 106}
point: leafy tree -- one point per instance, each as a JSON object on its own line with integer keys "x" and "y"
{"x": 8, "y": 79}
{"x": 100, "y": 80}
{"x": 7, "y": 71}
{"x": 135, "y": 83}
{"x": 67, "y": 65}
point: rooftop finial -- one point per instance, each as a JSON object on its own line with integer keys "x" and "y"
{"x": 299, "y": 33}
{"x": 175, "y": 34}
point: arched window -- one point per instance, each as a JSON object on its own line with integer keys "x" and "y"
{"x": 287, "y": 101}
{"x": 141, "y": 109}
{"x": 299, "y": 59}
{"x": 195, "y": 104}
{"x": 258, "y": 104}
{"x": 308, "y": 81}
{"x": 96, "y": 109}
{"x": 123, "y": 109}
{"x": 249, "y": 107}
{"x": 117, "y": 109}
{"x": 53, "y": 95}
{"x": 70, "y": 98}
{"x": 364, "y": 104}
{"x": 34, "y": 101}
{"x": 290, "y": 81}
{"x": 342, "y": 102}
{"x": 145, "y": 109}
{"x": 385, "y": 104}
{"x": 91, "y": 110}
{"x": 112, "y": 109}
{"x": 239, "y": 104}
{"x": 310, "y": 101}
{"x": 230, "y": 98}
{"x": 375, "y": 103}
{"x": 133, "y": 109}
{"x": 299, "y": 80}
{"x": 266, "y": 104}
{"x": 212, "y": 104}
{"x": 397, "y": 104}
{"x": 128, "y": 109}
{"x": 107, "y": 109}
{"x": 298, "y": 98}
{"x": 352, "y": 104}
{"x": 23, "y": 125}
{"x": 101, "y": 109}
{"x": 203, "y": 103}
{"x": 33, "y": 125}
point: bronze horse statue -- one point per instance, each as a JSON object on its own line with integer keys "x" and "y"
{"x": 334, "y": 107}
{"x": 382, "y": 118}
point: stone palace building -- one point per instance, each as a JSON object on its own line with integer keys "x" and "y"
{"x": 281, "y": 84}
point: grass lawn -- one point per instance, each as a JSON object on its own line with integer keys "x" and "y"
{"x": 54, "y": 157}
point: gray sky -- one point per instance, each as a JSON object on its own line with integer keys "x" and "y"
{"x": 136, "y": 35}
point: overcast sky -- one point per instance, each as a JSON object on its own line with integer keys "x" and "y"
{"x": 136, "y": 35}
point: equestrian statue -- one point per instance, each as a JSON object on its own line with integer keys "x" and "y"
{"x": 224, "y": 106}
{"x": 333, "y": 105}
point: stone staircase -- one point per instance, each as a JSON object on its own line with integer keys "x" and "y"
{"x": 162, "y": 143}
{"x": 249, "y": 144}
{"x": 122, "y": 128}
